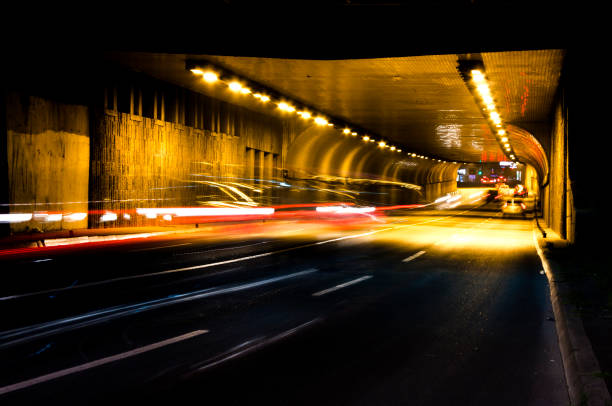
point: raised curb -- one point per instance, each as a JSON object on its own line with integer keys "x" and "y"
{"x": 579, "y": 361}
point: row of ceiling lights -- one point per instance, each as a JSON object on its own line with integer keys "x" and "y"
{"x": 488, "y": 105}
{"x": 211, "y": 76}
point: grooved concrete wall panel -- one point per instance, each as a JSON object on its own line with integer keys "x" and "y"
{"x": 141, "y": 162}
{"x": 48, "y": 159}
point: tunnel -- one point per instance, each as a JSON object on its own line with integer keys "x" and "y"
{"x": 354, "y": 202}
{"x": 144, "y": 128}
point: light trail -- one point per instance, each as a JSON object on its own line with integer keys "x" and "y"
{"x": 29, "y": 333}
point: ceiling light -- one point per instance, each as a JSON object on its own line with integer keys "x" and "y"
{"x": 366, "y": 138}
{"x": 286, "y": 107}
{"x": 210, "y": 77}
{"x": 305, "y": 115}
{"x": 320, "y": 121}
{"x": 235, "y": 86}
{"x": 197, "y": 71}
{"x": 346, "y": 131}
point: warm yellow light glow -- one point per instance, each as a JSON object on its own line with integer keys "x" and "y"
{"x": 483, "y": 89}
{"x": 235, "y": 86}
{"x": 495, "y": 117}
{"x": 366, "y": 138}
{"x": 413, "y": 155}
{"x": 501, "y": 132}
{"x": 382, "y": 144}
{"x": 346, "y": 131}
{"x": 245, "y": 90}
{"x": 197, "y": 71}
{"x": 320, "y": 121}
{"x": 210, "y": 77}
{"x": 477, "y": 76}
{"x": 286, "y": 107}
{"x": 305, "y": 115}
{"x": 330, "y": 125}
{"x": 392, "y": 148}
{"x": 353, "y": 133}
{"x": 504, "y": 139}
{"x": 264, "y": 98}
{"x": 507, "y": 145}
{"x": 399, "y": 150}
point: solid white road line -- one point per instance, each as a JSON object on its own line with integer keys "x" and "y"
{"x": 411, "y": 257}
{"x": 343, "y": 285}
{"x": 96, "y": 363}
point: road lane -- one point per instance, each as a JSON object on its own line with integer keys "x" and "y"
{"x": 464, "y": 324}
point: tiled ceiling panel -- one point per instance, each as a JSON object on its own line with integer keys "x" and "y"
{"x": 419, "y": 103}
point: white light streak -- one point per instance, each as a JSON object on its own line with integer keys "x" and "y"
{"x": 204, "y": 211}
{"x": 344, "y": 210}
{"x": 15, "y": 217}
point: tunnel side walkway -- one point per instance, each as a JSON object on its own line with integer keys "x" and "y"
{"x": 581, "y": 292}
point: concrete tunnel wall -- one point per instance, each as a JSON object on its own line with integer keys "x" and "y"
{"x": 47, "y": 146}
{"x": 101, "y": 156}
{"x": 558, "y": 207}
{"x": 316, "y": 151}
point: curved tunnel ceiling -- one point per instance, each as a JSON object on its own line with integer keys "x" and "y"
{"x": 420, "y": 103}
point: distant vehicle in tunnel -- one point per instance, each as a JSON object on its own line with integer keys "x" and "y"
{"x": 513, "y": 207}
{"x": 520, "y": 191}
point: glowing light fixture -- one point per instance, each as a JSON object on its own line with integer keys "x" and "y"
{"x": 304, "y": 114}
{"x": 286, "y": 107}
{"x": 234, "y": 86}
{"x": 320, "y": 121}
{"x": 473, "y": 73}
{"x": 210, "y": 77}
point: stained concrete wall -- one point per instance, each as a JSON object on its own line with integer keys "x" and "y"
{"x": 138, "y": 161}
{"x": 558, "y": 208}
{"x": 153, "y": 144}
{"x": 47, "y": 158}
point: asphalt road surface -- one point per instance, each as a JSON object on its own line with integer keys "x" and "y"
{"x": 427, "y": 307}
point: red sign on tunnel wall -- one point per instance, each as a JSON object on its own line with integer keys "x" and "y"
{"x": 492, "y": 157}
